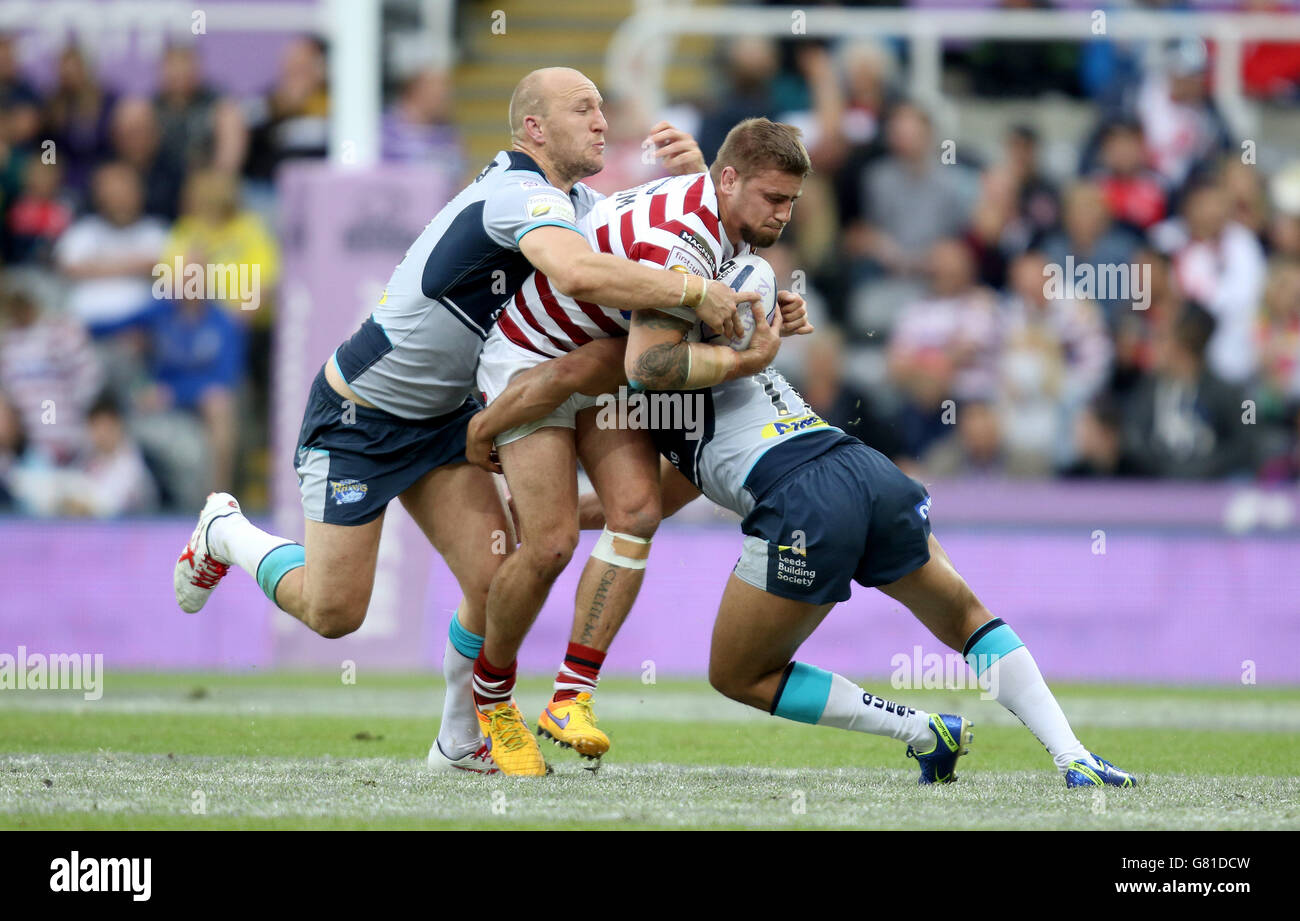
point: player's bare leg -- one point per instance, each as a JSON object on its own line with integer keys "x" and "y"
{"x": 325, "y": 582}
{"x": 461, "y": 512}
{"x": 541, "y": 469}
{"x": 755, "y": 638}
{"x": 940, "y": 598}
{"x": 623, "y": 467}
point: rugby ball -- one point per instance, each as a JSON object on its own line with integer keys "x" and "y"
{"x": 746, "y": 273}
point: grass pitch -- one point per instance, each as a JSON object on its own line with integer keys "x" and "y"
{"x": 282, "y": 750}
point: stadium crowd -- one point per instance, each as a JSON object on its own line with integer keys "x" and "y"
{"x": 925, "y": 267}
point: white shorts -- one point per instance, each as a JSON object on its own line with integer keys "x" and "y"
{"x": 498, "y": 364}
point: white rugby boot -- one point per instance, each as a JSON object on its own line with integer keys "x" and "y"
{"x": 198, "y": 571}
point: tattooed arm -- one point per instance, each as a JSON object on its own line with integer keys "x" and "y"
{"x": 659, "y": 357}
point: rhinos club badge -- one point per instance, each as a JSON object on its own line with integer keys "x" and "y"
{"x": 345, "y": 492}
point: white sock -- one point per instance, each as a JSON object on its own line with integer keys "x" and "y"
{"x": 459, "y": 733}
{"x": 236, "y": 539}
{"x": 850, "y": 707}
{"x": 1018, "y": 685}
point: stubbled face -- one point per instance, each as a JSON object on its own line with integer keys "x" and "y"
{"x": 759, "y": 206}
{"x": 575, "y": 127}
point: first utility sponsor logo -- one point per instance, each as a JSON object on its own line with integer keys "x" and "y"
{"x": 55, "y": 672}
{"x": 103, "y": 874}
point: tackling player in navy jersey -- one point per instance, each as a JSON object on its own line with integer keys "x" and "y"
{"x": 387, "y": 413}
{"x": 819, "y": 510}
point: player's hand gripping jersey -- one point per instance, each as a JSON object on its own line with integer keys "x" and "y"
{"x": 669, "y": 223}
{"x": 415, "y": 355}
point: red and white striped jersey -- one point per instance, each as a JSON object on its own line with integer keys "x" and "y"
{"x": 669, "y": 223}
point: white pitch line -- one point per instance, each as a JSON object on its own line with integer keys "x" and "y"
{"x": 660, "y": 705}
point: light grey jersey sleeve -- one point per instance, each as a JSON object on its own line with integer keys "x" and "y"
{"x": 520, "y": 204}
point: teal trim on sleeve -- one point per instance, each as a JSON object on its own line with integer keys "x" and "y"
{"x": 803, "y": 699}
{"x": 519, "y": 236}
{"x": 463, "y": 641}
{"x": 992, "y": 646}
{"x": 276, "y": 565}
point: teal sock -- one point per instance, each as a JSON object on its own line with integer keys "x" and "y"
{"x": 276, "y": 565}
{"x": 812, "y": 695}
{"x": 988, "y": 644}
{"x": 459, "y": 732}
{"x": 803, "y": 693}
{"x": 466, "y": 642}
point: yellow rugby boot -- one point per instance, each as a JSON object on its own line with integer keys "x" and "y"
{"x": 571, "y": 723}
{"x": 510, "y": 744}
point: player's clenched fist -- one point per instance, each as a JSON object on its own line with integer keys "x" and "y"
{"x": 763, "y": 344}
{"x": 794, "y": 315}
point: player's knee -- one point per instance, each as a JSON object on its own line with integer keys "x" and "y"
{"x": 637, "y": 514}
{"x": 727, "y": 681}
{"x": 550, "y": 552}
{"x": 334, "y": 619}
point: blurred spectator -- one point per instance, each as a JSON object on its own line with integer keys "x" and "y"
{"x": 1017, "y": 206}
{"x": 1181, "y": 124}
{"x": 1247, "y": 198}
{"x": 909, "y": 200}
{"x": 197, "y": 127}
{"x": 975, "y": 448}
{"x": 868, "y": 69}
{"x": 77, "y": 117}
{"x": 1284, "y": 195}
{"x": 14, "y": 90}
{"x": 1134, "y": 331}
{"x": 1220, "y": 264}
{"x": 1184, "y": 420}
{"x": 1134, "y": 194}
{"x": 822, "y": 384}
{"x": 751, "y": 67}
{"x": 1279, "y": 341}
{"x": 20, "y": 120}
{"x": 50, "y": 374}
{"x": 108, "y": 257}
{"x": 1055, "y": 357}
{"x": 944, "y": 347}
{"x": 13, "y": 451}
{"x": 1098, "y": 439}
{"x": 291, "y": 119}
{"x": 111, "y": 479}
{"x": 196, "y": 363}
{"x": 137, "y": 141}
{"x": 216, "y": 229}
{"x": 38, "y": 217}
{"x": 418, "y": 126}
{"x": 1089, "y": 238}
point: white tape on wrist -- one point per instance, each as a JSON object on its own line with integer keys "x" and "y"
{"x": 621, "y": 550}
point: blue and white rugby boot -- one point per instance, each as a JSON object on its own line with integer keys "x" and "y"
{"x": 952, "y": 738}
{"x": 1097, "y": 773}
